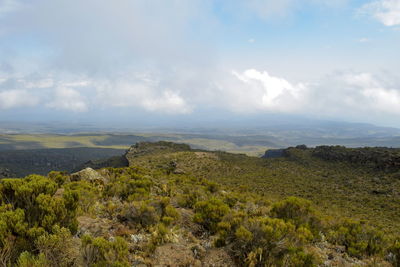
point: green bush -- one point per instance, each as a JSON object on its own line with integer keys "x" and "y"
{"x": 394, "y": 253}
{"x": 99, "y": 252}
{"x": 159, "y": 235}
{"x": 209, "y": 213}
{"x": 189, "y": 198}
{"x": 359, "y": 239}
{"x": 87, "y": 194}
{"x": 134, "y": 186}
{"x": 59, "y": 177}
{"x": 35, "y": 196}
{"x": 270, "y": 242}
{"x": 22, "y": 193}
{"x": 170, "y": 215}
{"x": 27, "y": 259}
{"x": 59, "y": 248}
{"x": 299, "y": 212}
{"x": 29, "y": 209}
{"x": 139, "y": 213}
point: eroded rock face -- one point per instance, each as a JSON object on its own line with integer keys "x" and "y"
{"x": 89, "y": 175}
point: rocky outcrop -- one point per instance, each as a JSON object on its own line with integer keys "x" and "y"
{"x": 274, "y": 153}
{"x": 379, "y": 158}
{"x": 89, "y": 175}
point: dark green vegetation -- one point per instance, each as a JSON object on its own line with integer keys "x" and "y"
{"x": 41, "y": 161}
{"x": 181, "y": 207}
{"x": 379, "y": 158}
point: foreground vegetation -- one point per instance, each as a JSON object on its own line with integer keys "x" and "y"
{"x": 162, "y": 210}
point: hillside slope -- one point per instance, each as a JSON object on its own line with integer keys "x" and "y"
{"x": 174, "y": 206}
{"x": 358, "y": 190}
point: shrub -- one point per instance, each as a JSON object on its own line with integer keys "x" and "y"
{"x": 12, "y": 223}
{"x": 134, "y": 186}
{"x": 394, "y": 253}
{"x": 139, "y": 212}
{"x": 358, "y": 238}
{"x": 212, "y": 187}
{"x": 29, "y": 209}
{"x": 22, "y": 193}
{"x": 159, "y": 236}
{"x": 269, "y": 242}
{"x": 209, "y": 213}
{"x": 35, "y": 196}
{"x": 172, "y": 212}
{"x": 59, "y": 177}
{"x": 59, "y": 248}
{"x": 101, "y": 252}
{"x": 27, "y": 259}
{"x": 170, "y": 215}
{"x": 86, "y": 193}
{"x": 7, "y": 251}
{"x": 297, "y": 211}
{"x": 189, "y": 198}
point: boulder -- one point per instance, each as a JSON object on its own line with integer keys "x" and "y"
{"x": 89, "y": 175}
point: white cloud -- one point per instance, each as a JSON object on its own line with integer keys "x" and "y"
{"x": 17, "y": 98}
{"x": 254, "y": 90}
{"x": 41, "y": 83}
{"x": 374, "y": 94}
{"x": 340, "y": 95}
{"x": 141, "y": 92}
{"x": 68, "y": 99}
{"x": 169, "y": 101}
{"x": 385, "y": 11}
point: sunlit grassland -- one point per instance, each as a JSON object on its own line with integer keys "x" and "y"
{"x": 59, "y": 141}
{"x": 120, "y": 141}
{"x": 55, "y": 141}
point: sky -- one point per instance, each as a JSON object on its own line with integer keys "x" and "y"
{"x": 127, "y": 60}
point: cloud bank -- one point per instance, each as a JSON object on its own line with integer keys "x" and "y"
{"x": 164, "y": 57}
{"x": 385, "y": 11}
{"x": 17, "y": 98}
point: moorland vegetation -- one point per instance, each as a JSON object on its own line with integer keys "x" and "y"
{"x": 174, "y": 206}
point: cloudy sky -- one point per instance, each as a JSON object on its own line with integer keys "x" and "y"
{"x": 100, "y": 60}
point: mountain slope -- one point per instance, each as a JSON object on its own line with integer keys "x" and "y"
{"x": 174, "y": 206}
